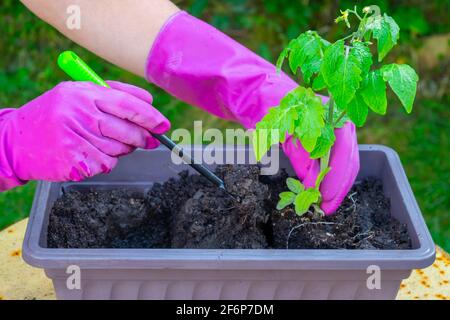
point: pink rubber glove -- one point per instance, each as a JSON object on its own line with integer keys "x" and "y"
{"x": 75, "y": 131}
{"x": 202, "y": 66}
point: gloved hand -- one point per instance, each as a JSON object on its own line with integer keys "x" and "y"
{"x": 75, "y": 131}
{"x": 344, "y": 164}
{"x": 200, "y": 65}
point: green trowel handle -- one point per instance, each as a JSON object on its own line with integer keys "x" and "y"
{"x": 78, "y": 70}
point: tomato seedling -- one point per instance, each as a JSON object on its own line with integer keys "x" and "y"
{"x": 345, "y": 70}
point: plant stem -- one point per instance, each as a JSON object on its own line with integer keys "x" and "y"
{"x": 324, "y": 161}
{"x": 326, "y": 158}
{"x": 349, "y": 36}
{"x": 361, "y": 28}
{"x": 355, "y": 12}
{"x": 340, "y": 118}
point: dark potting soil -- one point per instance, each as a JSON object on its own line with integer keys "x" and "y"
{"x": 188, "y": 212}
{"x": 105, "y": 219}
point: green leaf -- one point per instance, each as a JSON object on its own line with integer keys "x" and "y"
{"x": 403, "y": 81}
{"x": 357, "y": 110}
{"x": 362, "y": 52}
{"x": 281, "y": 58}
{"x": 274, "y": 126}
{"x": 305, "y": 199}
{"x": 262, "y": 140}
{"x": 341, "y": 70}
{"x": 310, "y": 117}
{"x": 321, "y": 176}
{"x": 324, "y": 142}
{"x": 281, "y": 118}
{"x": 286, "y": 198}
{"x": 386, "y": 31}
{"x": 324, "y": 43}
{"x": 305, "y": 52}
{"x": 294, "y": 185}
{"x": 319, "y": 83}
{"x": 373, "y": 91}
{"x": 301, "y": 110}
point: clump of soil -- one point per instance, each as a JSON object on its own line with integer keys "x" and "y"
{"x": 213, "y": 219}
{"x": 362, "y": 221}
{"x": 189, "y": 212}
{"x": 105, "y": 219}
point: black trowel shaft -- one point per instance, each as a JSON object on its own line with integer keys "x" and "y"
{"x": 186, "y": 158}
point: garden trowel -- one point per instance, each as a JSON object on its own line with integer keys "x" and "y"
{"x": 78, "y": 70}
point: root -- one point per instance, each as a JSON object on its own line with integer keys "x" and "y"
{"x": 369, "y": 234}
{"x": 353, "y": 201}
{"x": 305, "y": 224}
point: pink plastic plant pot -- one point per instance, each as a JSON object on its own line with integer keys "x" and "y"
{"x": 228, "y": 273}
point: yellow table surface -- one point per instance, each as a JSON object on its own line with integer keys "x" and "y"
{"x": 18, "y": 280}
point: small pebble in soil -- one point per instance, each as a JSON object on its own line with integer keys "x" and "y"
{"x": 189, "y": 212}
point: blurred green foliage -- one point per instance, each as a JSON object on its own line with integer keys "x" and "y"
{"x": 29, "y": 48}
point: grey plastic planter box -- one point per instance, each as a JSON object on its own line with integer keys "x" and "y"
{"x": 229, "y": 274}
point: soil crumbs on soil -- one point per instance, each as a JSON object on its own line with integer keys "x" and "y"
{"x": 189, "y": 212}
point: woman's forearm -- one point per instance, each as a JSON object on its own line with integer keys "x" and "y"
{"x": 120, "y": 31}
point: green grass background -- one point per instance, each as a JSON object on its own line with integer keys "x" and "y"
{"x": 29, "y": 48}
